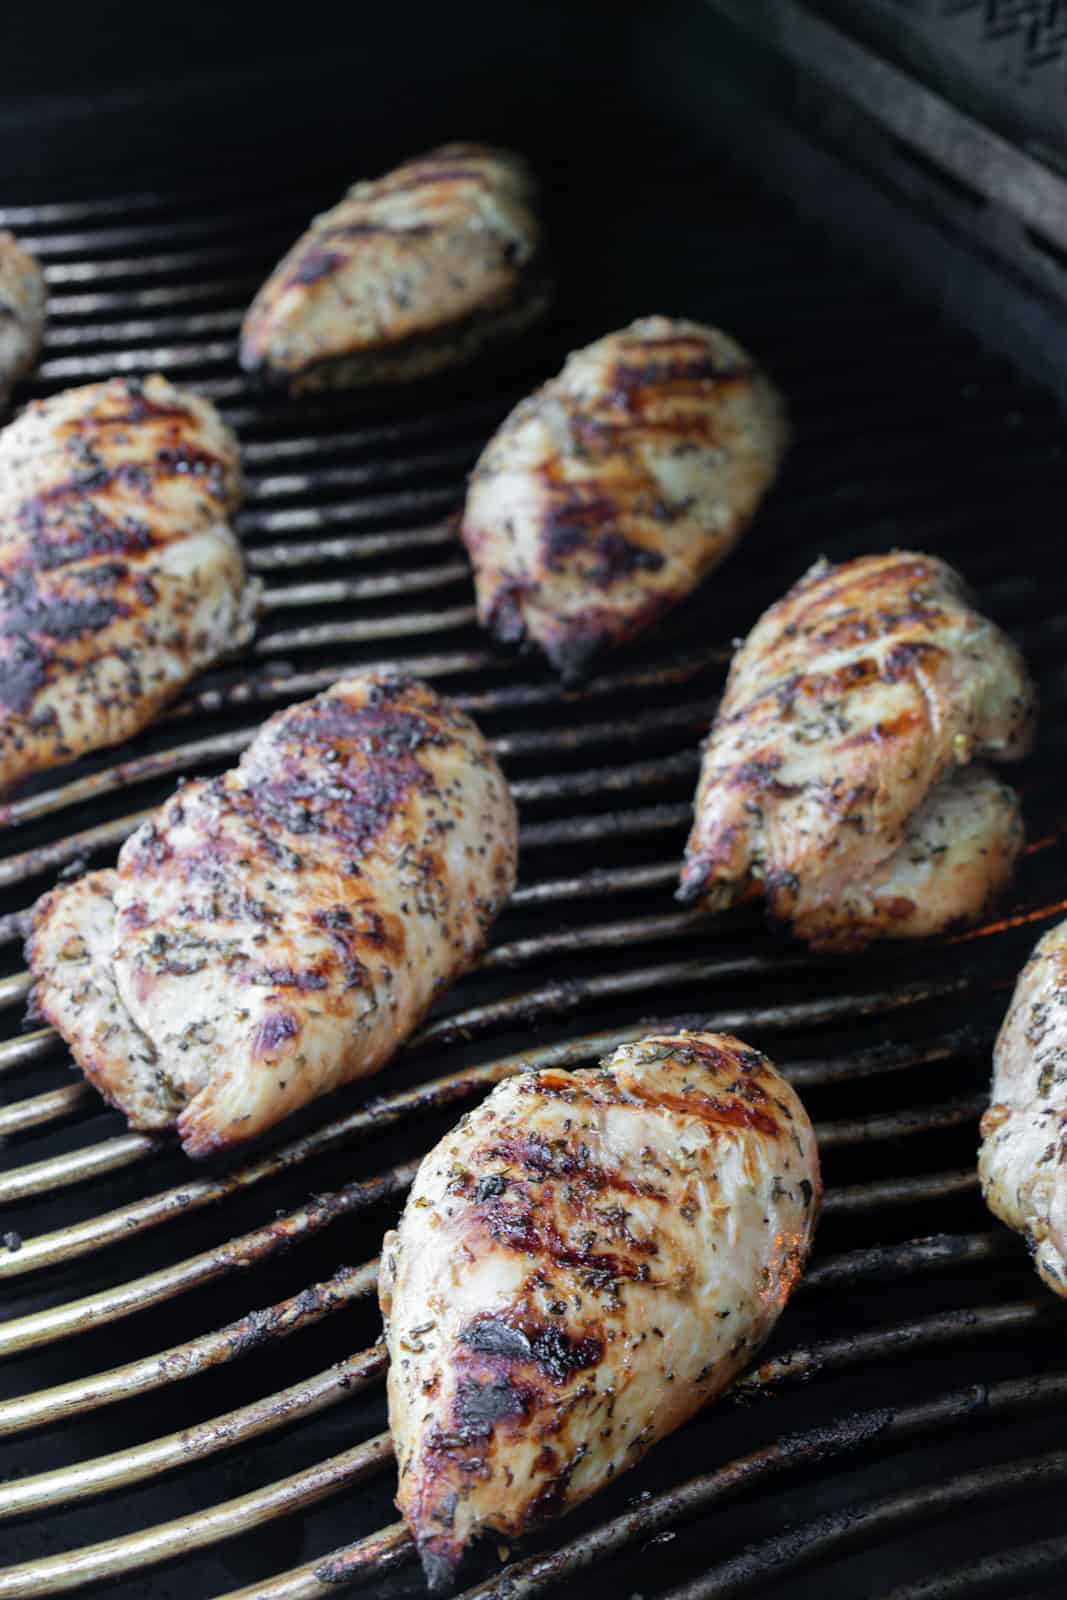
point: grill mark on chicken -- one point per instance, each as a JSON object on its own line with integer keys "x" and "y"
{"x": 61, "y": 543}
{"x": 678, "y": 373}
{"x": 418, "y": 176}
{"x": 542, "y": 1338}
{"x": 573, "y": 523}
{"x": 315, "y": 265}
{"x": 274, "y": 1031}
{"x": 520, "y": 1231}
{"x": 540, "y": 1160}
{"x": 825, "y": 593}
{"x": 132, "y": 478}
{"x": 902, "y": 659}
{"x": 23, "y": 675}
{"x": 719, "y": 1112}
{"x": 546, "y": 1347}
{"x": 24, "y": 608}
{"x": 885, "y": 732}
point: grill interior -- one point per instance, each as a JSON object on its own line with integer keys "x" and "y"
{"x": 190, "y": 1397}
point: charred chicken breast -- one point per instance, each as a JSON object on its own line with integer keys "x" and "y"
{"x": 1024, "y": 1132}
{"x": 832, "y": 779}
{"x": 282, "y": 929}
{"x": 407, "y": 275}
{"x": 609, "y": 494}
{"x": 22, "y": 312}
{"x": 120, "y": 574}
{"x": 583, "y": 1263}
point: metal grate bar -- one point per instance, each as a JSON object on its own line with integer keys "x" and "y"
{"x": 94, "y": 1563}
{"x": 360, "y": 547}
{"x": 54, "y": 1106}
{"x": 188, "y": 1360}
{"x": 990, "y": 1575}
{"x": 46, "y": 1491}
{"x": 315, "y": 635}
{"x": 374, "y": 1556}
{"x": 839, "y": 1532}
{"x": 137, "y": 1294}
{"x": 339, "y": 591}
{"x": 76, "y": 1166}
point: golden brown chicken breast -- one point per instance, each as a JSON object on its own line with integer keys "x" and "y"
{"x": 409, "y": 274}
{"x": 609, "y": 494}
{"x": 282, "y": 929}
{"x": 583, "y": 1263}
{"x": 23, "y": 301}
{"x": 120, "y": 574}
{"x": 831, "y": 779}
{"x": 1021, "y": 1165}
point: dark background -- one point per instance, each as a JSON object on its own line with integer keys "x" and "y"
{"x": 91, "y": 93}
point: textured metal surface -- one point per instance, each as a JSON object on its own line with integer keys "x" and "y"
{"x": 190, "y": 1397}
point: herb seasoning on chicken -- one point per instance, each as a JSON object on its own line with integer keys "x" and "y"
{"x": 22, "y": 312}
{"x": 583, "y": 1263}
{"x": 608, "y": 495}
{"x": 282, "y": 929}
{"x": 120, "y": 575}
{"x": 1021, "y": 1165}
{"x": 409, "y": 274}
{"x": 836, "y": 780}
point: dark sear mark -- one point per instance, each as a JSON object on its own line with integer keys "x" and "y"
{"x": 84, "y": 533}
{"x": 315, "y": 264}
{"x": 479, "y": 1405}
{"x": 681, "y": 370}
{"x": 596, "y": 1269}
{"x": 23, "y": 673}
{"x": 904, "y": 657}
{"x": 274, "y": 1031}
{"x": 618, "y": 557}
{"x": 358, "y": 806}
{"x": 549, "y": 1348}
{"x": 569, "y": 520}
{"x": 543, "y": 1159}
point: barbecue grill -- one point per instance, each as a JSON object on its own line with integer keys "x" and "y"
{"x": 190, "y": 1393}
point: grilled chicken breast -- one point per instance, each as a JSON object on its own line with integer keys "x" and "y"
{"x": 282, "y": 929}
{"x": 848, "y": 713}
{"x": 608, "y": 494}
{"x": 582, "y": 1264}
{"x": 409, "y": 274}
{"x": 1024, "y": 1132}
{"x": 23, "y": 301}
{"x": 120, "y": 575}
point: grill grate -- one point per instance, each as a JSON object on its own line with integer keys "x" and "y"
{"x": 170, "y": 1433}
